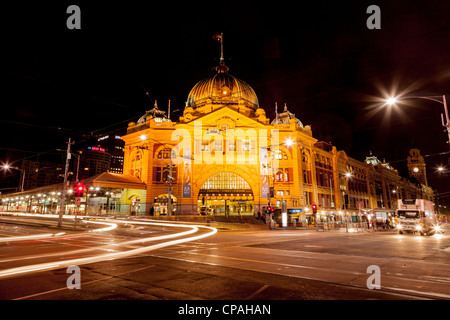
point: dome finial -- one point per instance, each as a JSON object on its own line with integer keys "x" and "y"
{"x": 221, "y": 68}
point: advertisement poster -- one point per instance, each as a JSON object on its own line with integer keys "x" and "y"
{"x": 187, "y": 173}
{"x": 264, "y": 172}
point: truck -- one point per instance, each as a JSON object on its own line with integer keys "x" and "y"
{"x": 417, "y": 216}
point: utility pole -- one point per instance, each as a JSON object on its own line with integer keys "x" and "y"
{"x": 169, "y": 200}
{"x": 446, "y": 123}
{"x": 63, "y": 195}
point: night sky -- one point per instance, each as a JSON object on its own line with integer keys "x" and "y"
{"x": 319, "y": 58}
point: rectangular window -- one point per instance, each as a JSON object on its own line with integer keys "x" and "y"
{"x": 218, "y": 145}
{"x": 158, "y": 174}
{"x": 246, "y": 145}
{"x": 205, "y": 145}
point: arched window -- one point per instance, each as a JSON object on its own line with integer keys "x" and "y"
{"x": 279, "y": 176}
{"x": 225, "y": 181}
{"x": 136, "y": 164}
{"x": 280, "y": 155}
{"x": 164, "y": 154}
{"x": 305, "y": 157}
{"x": 165, "y": 176}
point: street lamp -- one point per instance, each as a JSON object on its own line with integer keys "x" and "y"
{"x": 348, "y": 175}
{"x": 7, "y": 167}
{"x": 391, "y": 100}
{"x": 438, "y": 99}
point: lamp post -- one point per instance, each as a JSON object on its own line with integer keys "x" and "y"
{"x": 63, "y": 194}
{"x": 7, "y": 166}
{"x": 288, "y": 142}
{"x": 438, "y": 99}
{"x": 348, "y": 175}
{"x": 144, "y": 138}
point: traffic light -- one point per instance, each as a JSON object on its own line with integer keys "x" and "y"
{"x": 269, "y": 210}
{"x": 314, "y": 208}
{"x": 79, "y": 190}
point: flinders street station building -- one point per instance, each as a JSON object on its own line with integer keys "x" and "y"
{"x": 225, "y": 157}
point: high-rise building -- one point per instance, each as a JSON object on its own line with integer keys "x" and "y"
{"x": 113, "y": 144}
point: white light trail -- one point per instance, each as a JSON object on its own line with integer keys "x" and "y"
{"x": 32, "y": 237}
{"x": 118, "y": 255}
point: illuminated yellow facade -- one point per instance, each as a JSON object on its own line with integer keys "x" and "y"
{"x": 228, "y": 155}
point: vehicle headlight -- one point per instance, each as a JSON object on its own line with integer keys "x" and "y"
{"x": 399, "y": 226}
{"x": 418, "y": 227}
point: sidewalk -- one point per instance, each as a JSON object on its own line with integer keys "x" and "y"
{"x": 42, "y": 222}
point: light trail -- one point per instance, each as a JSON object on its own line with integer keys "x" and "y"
{"x": 32, "y": 237}
{"x": 118, "y": 255}
{"x": 105, "y": 248}
{"x": 110, "y": 226}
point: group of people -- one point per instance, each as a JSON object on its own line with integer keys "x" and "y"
{"x": 380, "y": 224}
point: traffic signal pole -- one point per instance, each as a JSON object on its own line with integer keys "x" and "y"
{"x": 63, "y": 194}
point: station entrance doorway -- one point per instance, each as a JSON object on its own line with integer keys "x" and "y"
{"x": 226, "y": 194}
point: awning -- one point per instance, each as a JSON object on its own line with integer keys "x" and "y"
{"x": 115, "y": 180}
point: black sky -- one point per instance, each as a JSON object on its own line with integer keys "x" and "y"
{"x": 318, "y": 57}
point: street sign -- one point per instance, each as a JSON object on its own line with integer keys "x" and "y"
{"x": 78, "y": 201}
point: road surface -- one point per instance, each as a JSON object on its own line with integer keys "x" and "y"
{"x": 125, "y": 263}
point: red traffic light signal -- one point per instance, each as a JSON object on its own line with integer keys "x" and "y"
{"x": 314, "y": 208}
{"x": 79, "y": 189}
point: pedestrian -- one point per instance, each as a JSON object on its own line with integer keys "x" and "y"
{"x": 152, "y": 211}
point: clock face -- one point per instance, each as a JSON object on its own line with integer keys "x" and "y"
{"x": 225, "y": 127}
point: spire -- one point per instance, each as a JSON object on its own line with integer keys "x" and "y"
{"x": 276, "y": 113}
{"x": 221, "y": 68}
{"x": 168, "y": 111}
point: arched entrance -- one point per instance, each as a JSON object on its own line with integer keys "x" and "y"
{"x": 160, "y": 204}
{"x": 225, "y": 193}
{"x": 135, "y": 205}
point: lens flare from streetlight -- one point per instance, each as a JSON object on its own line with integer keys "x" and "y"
{"x": 289, "y": 142}
{"x": 391, "y": 100}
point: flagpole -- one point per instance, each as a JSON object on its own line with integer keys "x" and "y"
{"x": 221, "y": 48}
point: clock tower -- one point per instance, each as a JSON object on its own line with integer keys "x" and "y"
{"x": 417, "y": 166}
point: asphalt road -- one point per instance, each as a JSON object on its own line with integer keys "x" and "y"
{"x": 229, "y": 265}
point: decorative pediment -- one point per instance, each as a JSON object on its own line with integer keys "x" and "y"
{"x": 227, "y": 118}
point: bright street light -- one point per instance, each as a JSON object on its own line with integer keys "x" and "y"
{"x": 7, "y": 167}
{"x": 440, "y": 99}
{"x": 391, "y": 100}
{"x": 289, "y": 142}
